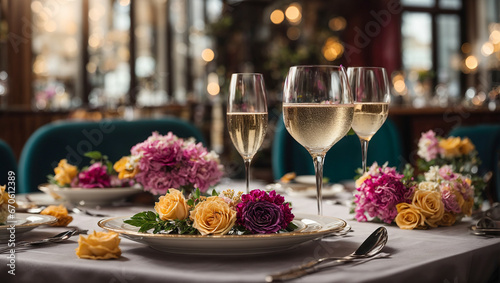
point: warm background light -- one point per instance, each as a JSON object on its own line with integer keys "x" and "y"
{"x": 471, "y": 62}
{"x": 293, "y": 13}
{"x": 337, "y": 23}
{"x": 207, "y": 55}
{"x": 487, "y": 49}
{"x": 277, "y": 17}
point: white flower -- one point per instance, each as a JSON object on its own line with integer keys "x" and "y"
{"x": 433, "y": 174}
{"x": 428, "y": 186}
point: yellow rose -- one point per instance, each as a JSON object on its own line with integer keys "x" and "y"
{"x": 409, "y": 217}
{"x": 5, "y": 196}
{"x": 361, "y": 179}
{"x": 99, "y": 245}
{"x": 172, "y": 206}
{"x": 467, "y": 206}
{"x": 213, "y": 217}
{"x": 4, "y": 204}
{"x": 65, "y": 172}
{"x": 448, "y": 219}
{"x": 60, "y": 212}
{"x": 466, "y": 146}
{"x": 450, "y": 146}
{"x": 428, "y": 186}
{"x": 430, "y": 204}
{"x": 122, "y": 167}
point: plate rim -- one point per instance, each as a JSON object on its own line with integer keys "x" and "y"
{"x": 322, "y": 231}
{"x": 49, "y": 220}
{"x": 59, "y": 189}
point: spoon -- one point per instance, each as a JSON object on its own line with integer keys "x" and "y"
{"x": 370, "y": 247}
{"x": 54, "y": 239}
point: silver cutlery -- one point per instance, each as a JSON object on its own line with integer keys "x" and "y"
{"x": 54, "y": 239}
{"x": 369, "y": 248}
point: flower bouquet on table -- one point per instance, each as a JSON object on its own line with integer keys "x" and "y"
{"x": 95, "y": 184}
{"x": 441, "y": 199}
{"x": 163, "y": 162}
{"x": 456, "y": 152}
{"x": 227, "y": 213}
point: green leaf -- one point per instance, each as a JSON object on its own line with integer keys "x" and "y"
{"x": 215, "y": 193}
{"x": 197, "y": 193}
{"x": 96, "y": 155}
{"x": 291, "y": 227}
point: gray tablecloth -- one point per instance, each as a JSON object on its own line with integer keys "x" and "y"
{"x": 446, "y": 254}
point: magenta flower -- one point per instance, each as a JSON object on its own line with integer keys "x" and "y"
{"x": 379, "y": 193}
{"x": 95, "y": 176}
{"x": 263, "y": 213}
{"x": 170, "y": 162}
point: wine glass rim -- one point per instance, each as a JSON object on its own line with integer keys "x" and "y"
{"x": 368, "y": 68}
{"x": 247, "y": 74}
{"x": 318, "y": 66}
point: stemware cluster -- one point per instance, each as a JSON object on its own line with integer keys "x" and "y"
{"x": 320, "y": 105}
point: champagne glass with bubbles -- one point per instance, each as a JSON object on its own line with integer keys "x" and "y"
{"x": 317, "y": 110}
{"x": 247, "y": 116}
{"x": 371, "y": 92}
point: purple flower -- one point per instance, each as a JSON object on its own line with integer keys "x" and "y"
{"x": 263, "y": 213}
{"x": 95, "y": 176}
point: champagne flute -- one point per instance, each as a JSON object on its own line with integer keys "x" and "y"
{"x": 370, "y": 88}
{"x": 317, "y": 111}
{"x": 247, "y": 116}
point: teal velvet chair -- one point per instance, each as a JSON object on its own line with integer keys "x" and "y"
{"x": 486, "y": 139}
{"x": 71, "y": 140}
{"x": 8, "y": 163}
{"x": 343, "y": 158}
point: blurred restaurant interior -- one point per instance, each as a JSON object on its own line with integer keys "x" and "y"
{"x": 130, "y": 59}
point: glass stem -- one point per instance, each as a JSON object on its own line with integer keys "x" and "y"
{"x": 247, "y": 174}
{"x": 319, "y": 160}
{"x": 364, "y": 153}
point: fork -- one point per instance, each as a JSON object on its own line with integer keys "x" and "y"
{"x": 54, "y": 239}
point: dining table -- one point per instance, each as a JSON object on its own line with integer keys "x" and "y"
{"x": 445, "y": 254}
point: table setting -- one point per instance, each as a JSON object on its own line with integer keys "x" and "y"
{"x": 86, "y": 225}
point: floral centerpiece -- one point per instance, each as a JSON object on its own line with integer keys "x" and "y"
{"x": 163, "y": 162}
{"x": 441, "y": 199}
{"x": 227, "y": 213}
{"x": 459, "y": 153}
{"x": 99, "y": 174}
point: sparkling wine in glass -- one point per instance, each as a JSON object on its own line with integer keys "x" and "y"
{"x": 317, "y": 110}
{"x": 370, "y": 89}
{"x": 247, "y": 116}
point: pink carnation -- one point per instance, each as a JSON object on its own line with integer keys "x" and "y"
{"x": 428, "y": 146}
{"x": 170, "y": 162}
{"x": 379, "y": 194}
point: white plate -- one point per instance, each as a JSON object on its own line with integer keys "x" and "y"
{"x": 24, "y": 222}
{"x": 314, "y": 227}
{"x": 91, "y": 196}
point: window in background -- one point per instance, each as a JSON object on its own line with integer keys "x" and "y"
{"x": 431, "y": 41}
{"x": 449, "y": 57}
{"x": 419, "y": 3}
{"x": 4, "y": 85}
{"x": 55, "y": 43}
{"x": 450, "y": 4}
{"x": 108, "y": 47}
{"x": 151, "y": 52}
{"x": 417, "y": 55}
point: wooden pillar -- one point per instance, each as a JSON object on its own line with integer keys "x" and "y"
{"x": 19, "y": 53}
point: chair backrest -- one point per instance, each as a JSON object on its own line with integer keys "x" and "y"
{"x": 343, "y": 158}
{"x": 486, "y": 139}
{"x": 8, "y": 163}
{"x": 72, "y": 139}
